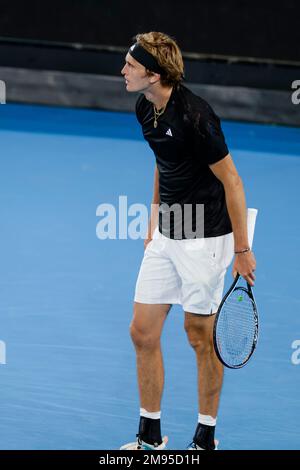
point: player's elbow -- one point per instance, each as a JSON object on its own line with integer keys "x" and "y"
{"x": 233, "y": 183}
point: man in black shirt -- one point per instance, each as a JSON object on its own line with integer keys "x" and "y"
{"x": 198, "y": 219}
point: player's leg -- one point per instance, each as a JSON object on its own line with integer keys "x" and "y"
{"x": 156, "y": 290}
{"x": 145, "y": 329}
{"x": 199, "y": 329}
{"x": 201, "y": 265}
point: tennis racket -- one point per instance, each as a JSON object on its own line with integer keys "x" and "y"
{"x": 236, "y": 324}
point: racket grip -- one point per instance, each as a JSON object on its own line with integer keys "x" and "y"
{"x": 251, "y": 219}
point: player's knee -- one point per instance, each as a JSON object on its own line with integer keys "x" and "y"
{"x": 200, "y": 344}
{"x": 143, "y": 339}
{"x": 199, "y": 338}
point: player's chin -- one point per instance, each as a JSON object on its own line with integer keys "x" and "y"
{"x": 131, "y": 87}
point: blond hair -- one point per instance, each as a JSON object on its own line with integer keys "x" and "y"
{"x": 167, "y": 53}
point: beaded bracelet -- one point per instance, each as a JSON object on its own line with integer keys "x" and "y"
{"x": 242, "y": 251}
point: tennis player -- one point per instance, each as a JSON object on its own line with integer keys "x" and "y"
{"x": 198, "y": 220}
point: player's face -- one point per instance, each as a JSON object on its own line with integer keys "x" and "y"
{"x": 135, "y": 75}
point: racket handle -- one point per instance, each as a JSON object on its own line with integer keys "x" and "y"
{"x": 251, "y": 219}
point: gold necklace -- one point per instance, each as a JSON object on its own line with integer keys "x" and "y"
{"x": 157, "y": 114}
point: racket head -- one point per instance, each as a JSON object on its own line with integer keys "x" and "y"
{"x": 235, "y": 332}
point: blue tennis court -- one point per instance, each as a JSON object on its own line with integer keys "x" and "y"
{"x": 69, "y": 381}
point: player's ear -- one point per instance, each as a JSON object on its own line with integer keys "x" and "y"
{"x": 154, "y": 77}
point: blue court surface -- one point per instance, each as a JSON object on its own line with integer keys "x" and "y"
{"x": 69, "y": 381}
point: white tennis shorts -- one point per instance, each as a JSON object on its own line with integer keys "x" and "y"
{"x": 186, "y": 272}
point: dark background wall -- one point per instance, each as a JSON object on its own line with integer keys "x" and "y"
{"x": 266, "y": 29}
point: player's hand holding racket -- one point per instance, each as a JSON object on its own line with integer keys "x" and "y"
{"x": 245, "y": 264}
{"x": 236, "y": 324}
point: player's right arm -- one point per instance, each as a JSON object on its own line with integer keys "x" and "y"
{"x": 153, "y": 221}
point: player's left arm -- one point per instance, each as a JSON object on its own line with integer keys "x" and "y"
{"x": 226, "y": 172}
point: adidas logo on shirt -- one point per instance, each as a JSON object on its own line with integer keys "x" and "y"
{"x": 169, "y": 132}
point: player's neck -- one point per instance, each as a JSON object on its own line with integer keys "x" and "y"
{"x": 159, "y": 96}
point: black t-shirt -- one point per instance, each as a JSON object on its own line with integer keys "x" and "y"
{"x": 188, "y": 139}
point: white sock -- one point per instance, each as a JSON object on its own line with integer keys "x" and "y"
{"x": 207, "y": 420}
{"x": 148, "y": 414}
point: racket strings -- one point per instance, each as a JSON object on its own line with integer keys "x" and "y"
{"x": 236, "y": 328}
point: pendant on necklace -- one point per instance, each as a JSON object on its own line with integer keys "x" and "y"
{"x": 155, "y": 124}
